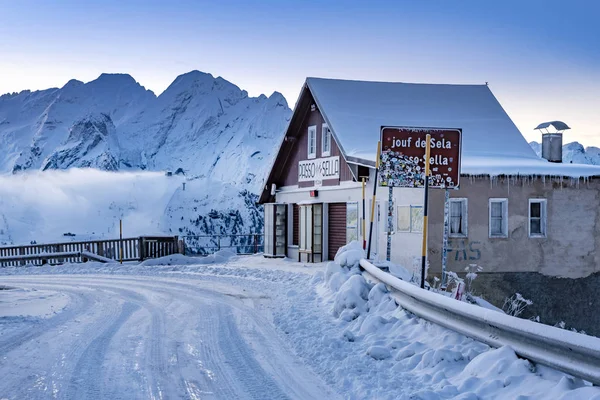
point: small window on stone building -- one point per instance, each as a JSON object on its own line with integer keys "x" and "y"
{"x": 326, "y": 141}
{"x": 498, "y": 218}
{"x": 458, "y": 217}
{"x": 537, "y": 217}
{"x": 312, "y": 141}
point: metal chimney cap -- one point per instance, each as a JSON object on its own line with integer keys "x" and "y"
{"x": 558, "y": 125}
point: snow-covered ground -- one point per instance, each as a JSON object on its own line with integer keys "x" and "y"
{"x": 240, "y": 327}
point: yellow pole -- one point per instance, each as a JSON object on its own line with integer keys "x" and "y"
{"x": 364, "y": 214}
{"x": 373, "y": 202}
{"x": 425, "y": 203}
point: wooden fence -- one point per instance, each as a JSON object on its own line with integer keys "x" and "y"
{"x": 134, "y": 249}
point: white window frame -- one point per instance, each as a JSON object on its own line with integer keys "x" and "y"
{"x": 464, "y": 214}
{"x": 325, "y": 140}
{"x": 504, "y": 233}
{"x": 312, "y": 142}
{"x": 411, "y": 221}
{"x": 543, "y": 218}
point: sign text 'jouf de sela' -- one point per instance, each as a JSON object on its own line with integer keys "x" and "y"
{"x": 402, "y": 158}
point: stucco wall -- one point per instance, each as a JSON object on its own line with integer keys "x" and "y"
{"x": 569, "y": 250}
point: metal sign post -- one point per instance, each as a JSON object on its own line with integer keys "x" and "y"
{"x": 425, "y": 204}
{"x": 446, "y": 234}
{"x": 390, "y": 222}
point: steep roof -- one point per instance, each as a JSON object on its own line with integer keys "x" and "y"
{"x": 491, "y": 143}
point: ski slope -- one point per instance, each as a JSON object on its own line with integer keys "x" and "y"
{"x": 124, "y": 337}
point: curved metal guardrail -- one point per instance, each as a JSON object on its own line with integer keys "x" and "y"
{"x": 567, "y": 351}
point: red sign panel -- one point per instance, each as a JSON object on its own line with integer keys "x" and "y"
{"x": 402, "y": 159}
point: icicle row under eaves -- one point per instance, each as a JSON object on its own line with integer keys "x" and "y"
{"x": 531, "y": 179}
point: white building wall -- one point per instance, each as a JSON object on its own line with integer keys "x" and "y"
{"x": 406, "y": 246}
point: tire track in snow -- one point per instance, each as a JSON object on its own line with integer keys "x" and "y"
{"x": 241, "y": 360}
{"x": 86, "y": 381}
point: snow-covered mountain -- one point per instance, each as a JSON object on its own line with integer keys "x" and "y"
{"x": 200, "y": 124}
{"x": 201, "y": 127}
{"x": 574, "y": 152}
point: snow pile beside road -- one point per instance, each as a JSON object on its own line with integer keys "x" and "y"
{"x": 219, "y": 257}
{"x": 386, "y": 352}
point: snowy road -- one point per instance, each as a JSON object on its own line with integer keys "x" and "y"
{"x": 148, "y": 337}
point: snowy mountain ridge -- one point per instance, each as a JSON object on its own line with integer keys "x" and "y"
{"x": 205, "y": 130}
{"x": 200, "y": 124}
{"x": 574, "y": 152}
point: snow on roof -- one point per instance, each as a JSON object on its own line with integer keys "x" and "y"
{"x": 491, "y": 143}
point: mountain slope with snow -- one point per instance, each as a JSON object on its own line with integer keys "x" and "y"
{"x": 574, "y": 152}
{"x": 204, "y": 128}
{"x": 200, "y": 124}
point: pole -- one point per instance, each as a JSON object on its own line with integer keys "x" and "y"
{"x": 425, "y": 202}
{"x": 373, "y": 201}
{"x": 121, "y": 241}
{"x": 390, "y": 223}
{"x": 446, "y": 234}
{"x": 364, "y": 214}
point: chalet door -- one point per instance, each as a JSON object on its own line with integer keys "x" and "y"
{"x": 337, "y": 228}
{"x": 311, "y": 233}
{"x": 275, "y": 230}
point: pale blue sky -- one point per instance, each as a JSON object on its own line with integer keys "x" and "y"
{"x": 541, "y": 58}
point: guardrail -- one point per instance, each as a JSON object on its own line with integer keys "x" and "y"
{"x": 251, "y": 243}
{"x": 563, "y": 350}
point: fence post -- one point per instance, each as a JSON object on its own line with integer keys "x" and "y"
{"x": 255, "y": 244}
{"x": 141, "y": 248}
{"x": 218, "y": 243}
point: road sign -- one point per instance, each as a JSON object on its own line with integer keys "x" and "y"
{"x": 402, "y": 158}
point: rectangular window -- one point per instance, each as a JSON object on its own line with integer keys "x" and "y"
{"x": 416, "y": 219}
{"x": 498, "y": 218}
{"x": 325, "y": 141}
{"x": 312, "y": 141}
{"x": 403, "y": 223}
{"x": 537, "y": 217}
{"x": 410, "y": 219}
{"x": 458, "y": 217}
{"x": 351, "y": 222}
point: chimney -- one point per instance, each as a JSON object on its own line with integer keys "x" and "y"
{"x": 552, "y": 141}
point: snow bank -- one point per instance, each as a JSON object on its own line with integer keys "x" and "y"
{"x": 219, "y": 257}
{"x": 394, "y": 343}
